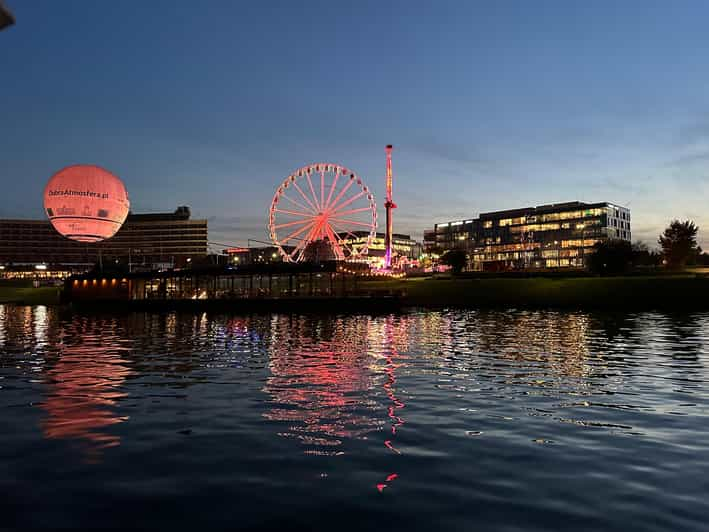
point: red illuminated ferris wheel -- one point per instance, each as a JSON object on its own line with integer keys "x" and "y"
{"x": 322, "y": 210}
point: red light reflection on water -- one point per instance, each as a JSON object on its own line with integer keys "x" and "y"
{"x": 82, "y": 380}
{"x": 320, "y": 382}
{"x": 82, "y": 386}
{"x": 323, "y": 382}
{"x": 390, "y": 367}
{"x": 316, "y": 390}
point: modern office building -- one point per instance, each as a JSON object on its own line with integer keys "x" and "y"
{"x": 146, "y": 241}
{"x": 560, "y": 235}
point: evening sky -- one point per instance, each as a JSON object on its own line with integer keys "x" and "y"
{"x": 490, "y": 105}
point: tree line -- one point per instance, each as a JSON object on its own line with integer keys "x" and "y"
{"x": 678, "y": 249}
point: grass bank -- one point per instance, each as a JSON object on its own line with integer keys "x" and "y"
{"x": 45, "y": 295}
{"x": 661, "y": 292}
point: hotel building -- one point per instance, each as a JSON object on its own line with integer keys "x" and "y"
{"x": 144, "y": 241}
{"x": 559, "y": 235}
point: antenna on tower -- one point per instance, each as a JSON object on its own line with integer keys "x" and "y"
{"x": 389, "y": 205}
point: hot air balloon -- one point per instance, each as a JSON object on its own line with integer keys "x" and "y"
{"x": 86, "y": 203}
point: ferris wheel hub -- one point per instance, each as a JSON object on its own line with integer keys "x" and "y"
{"x": 325, "y": 203}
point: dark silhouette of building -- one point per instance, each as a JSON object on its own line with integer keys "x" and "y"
{"x": 145, "y": 240}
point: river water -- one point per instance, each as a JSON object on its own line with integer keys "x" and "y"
{"x": 451, "y": 420}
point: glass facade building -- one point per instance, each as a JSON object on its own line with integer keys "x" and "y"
{"x": 559, "y": 235}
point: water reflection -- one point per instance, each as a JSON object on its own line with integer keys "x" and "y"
{"x": 394, "y": 398}
{"x": 394, "y": 335}
{"x": 336, "y": 380}
{"x": 82, "y": 387}
{"x": 685, "y": 330}
{"x": 319, "y": 379}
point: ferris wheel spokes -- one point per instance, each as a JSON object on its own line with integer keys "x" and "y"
{"x": 291, "y": 224}
{"x": 294, "y": 213}
{"x": 351, "y": 211}
{"x": 353, "y": 222}
{"x": 296, "y": 203}
{"x": 334, "y": 185}
{"x": 341, "y": 193}
{"x": 344, "y": 204}
{"x": 308, "y": 201}
{"x": 299, "y": 231}
{"x": 312, "y": 191}
{"x": 326, "y": 215}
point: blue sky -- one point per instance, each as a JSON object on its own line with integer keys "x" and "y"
{"x": 490, "y": 105}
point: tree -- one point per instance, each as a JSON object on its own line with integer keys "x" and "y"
{"x": 436, "y": 250}
{"x": 643, "y": 256}
{"x": 456, "y": 259}
{"x": 679, "y": 243}
{"x": 611, "y": 256}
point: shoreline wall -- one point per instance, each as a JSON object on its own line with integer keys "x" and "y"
{"x": 615, "y": 293}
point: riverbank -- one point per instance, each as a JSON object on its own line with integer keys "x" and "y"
{"x": 680, "y": 292}
{"x": 677, "y": 292}
{"x": 21, "y": 295}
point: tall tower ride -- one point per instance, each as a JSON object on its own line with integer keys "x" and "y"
{"x": 389, "y": 205}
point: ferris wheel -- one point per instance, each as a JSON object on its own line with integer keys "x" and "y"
{"x": 322, "y": 207}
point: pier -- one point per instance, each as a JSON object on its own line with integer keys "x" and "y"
{"x": 272, "y": 286}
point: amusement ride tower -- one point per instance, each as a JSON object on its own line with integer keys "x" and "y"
{"x": 389, "y": 205}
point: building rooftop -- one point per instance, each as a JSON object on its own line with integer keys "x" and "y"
{"x": 182, "y": 213}
{"x": 541, "y": 209}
